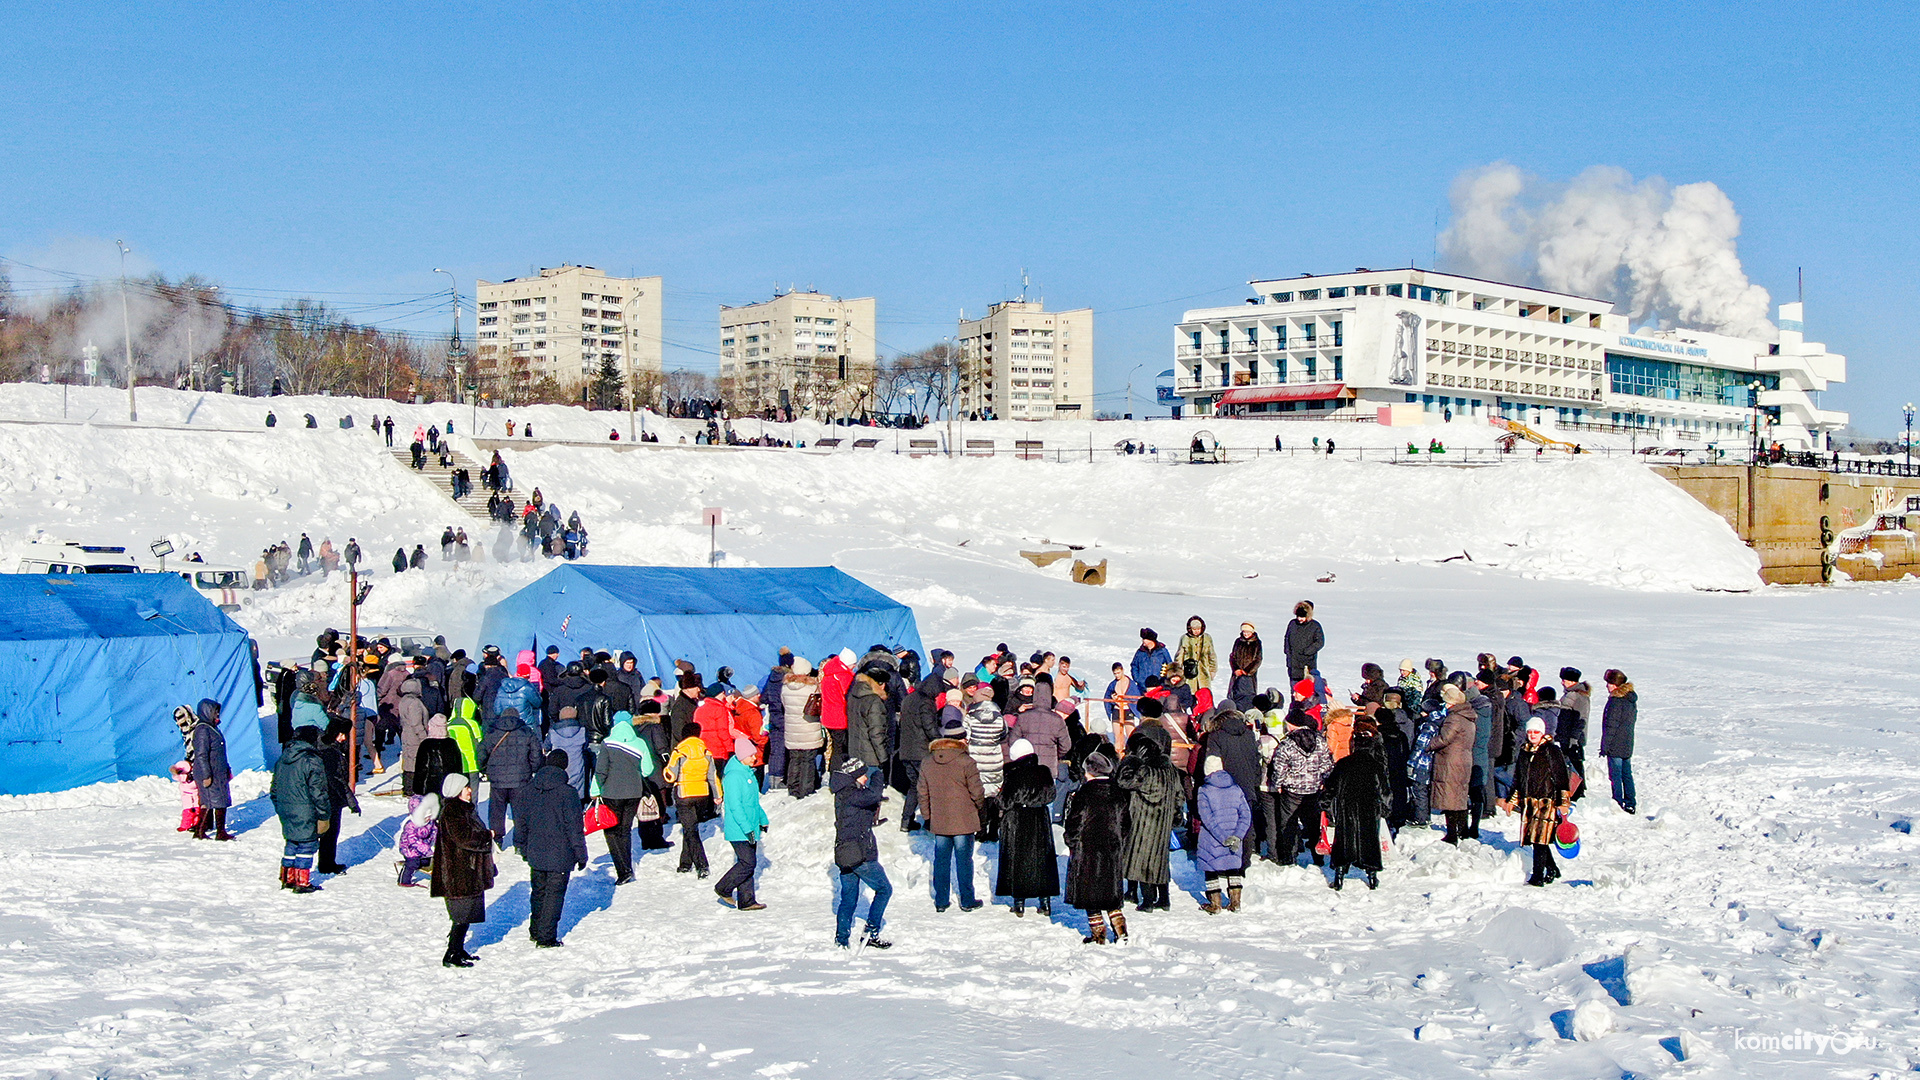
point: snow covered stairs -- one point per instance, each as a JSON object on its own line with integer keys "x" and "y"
{"x": 441, "y": 477}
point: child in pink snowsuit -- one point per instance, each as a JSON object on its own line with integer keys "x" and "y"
{"x": 189, "y": 796}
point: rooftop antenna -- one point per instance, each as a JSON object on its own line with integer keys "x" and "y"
{"x": 1023, "y": 284}
{"x": 1800, "y": 273}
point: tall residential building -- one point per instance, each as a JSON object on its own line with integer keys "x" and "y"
{"x": 1347, "y": 346}
{"x": 805, "y": 352}
{"x": 1023, "y": 362}
{"x": 562, "y": 324}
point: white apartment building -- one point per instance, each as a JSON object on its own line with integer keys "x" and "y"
{"x": 564, "y": 323}
{"x": 1023, "y": 362}
{"x": 1384, "y": 344}
{"x": 805, "y": 352}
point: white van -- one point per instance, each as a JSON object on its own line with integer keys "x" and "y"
{"x": 227, "y": 586}
{"x": 77, "y": 558}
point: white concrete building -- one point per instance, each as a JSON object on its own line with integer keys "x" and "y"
{"x": 564, "y": 323}
{"x": 1356, "y": 346}
{"x": 806, "y": 352}
{"x": 1023, "y": 362}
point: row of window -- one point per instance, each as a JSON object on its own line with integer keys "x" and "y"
{"x": 1641, "y": 377}
{"x": 1341, "y": 292}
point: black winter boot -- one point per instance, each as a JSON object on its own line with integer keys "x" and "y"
{"x": 457, "y": 947}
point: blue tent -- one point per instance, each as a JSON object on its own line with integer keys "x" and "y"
{"x": 91, "y": 668}
{"x": 739, "y": 617}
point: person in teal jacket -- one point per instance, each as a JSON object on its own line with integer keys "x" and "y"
{"x": 304, "y": 803}
{"x": 622, "y": 776}
{"x": 743, "y": 822}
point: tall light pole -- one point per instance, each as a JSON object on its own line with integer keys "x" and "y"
{"x": 1136, "y": 367}
{"x": 126, "y": 332}
{"x": 455, "y": 353}
{"x": 1908, "y": 409}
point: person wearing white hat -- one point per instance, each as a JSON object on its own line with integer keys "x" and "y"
{"x": 1028, "y": 867}
{"x": 463, "y": 867}
{"x": 1540, "y": 794}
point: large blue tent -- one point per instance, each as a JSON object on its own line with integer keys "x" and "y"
{"x": 737, "y": 617}
{"x": 91, "y": 668}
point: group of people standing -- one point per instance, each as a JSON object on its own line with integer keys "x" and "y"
{"x": 1019, "y": 754}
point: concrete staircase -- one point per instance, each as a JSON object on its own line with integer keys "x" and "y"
{"x": 475, "y": 504}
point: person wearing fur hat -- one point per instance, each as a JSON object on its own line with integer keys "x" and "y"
{"x": 302, "y": 802}
{"x": 950, "y": 792}
{"x": 1225, "y": 821}
{"x": 1452, "y": 770}
{"x": 680, "y": 710}
{"x": 1570, "y": 730}
{"x": 1243, "y": 660}
{"x": 1302, "y": 642}
{"x": 867, "y": 715}
{"x": 463, "y": 868}
{"x": 1028, "y": 868}
{"x": 1196, "y": 645}
{"x": 1361, "y": 795}
{"x": 1155, "y": 797}
{"x": 743, "y": 822}
{"x": 857, "y": 794}
{"x": 1540, "y": 796}
{"x": 1617, "y": 720}
{"x": 1150, "y": 659}
{"x": 1096, "y": 835}
{"x": 548, "y": 833}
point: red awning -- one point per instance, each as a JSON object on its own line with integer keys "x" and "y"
{"x": 1253, "y": 395}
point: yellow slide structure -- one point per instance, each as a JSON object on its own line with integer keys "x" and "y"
{"x": 1515, "y": 428}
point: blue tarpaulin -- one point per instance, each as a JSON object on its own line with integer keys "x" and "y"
{"x": 92, "y": 667}
{"x": 738, "y": 617}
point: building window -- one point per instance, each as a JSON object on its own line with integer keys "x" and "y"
{"x": 1335, "y": 327}
{"x": 1309, "y": 294}
{"x": 1393, "y": 290}
{"x": 1282, "y": 298}
{"x": 1337, "y": 294}
{"x": 1339, "y": 374}
{"x": 523, "y": 303}
{"x": 489, "y": 305}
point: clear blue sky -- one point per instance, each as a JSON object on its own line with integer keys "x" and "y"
{"x": 1139, "y": 159}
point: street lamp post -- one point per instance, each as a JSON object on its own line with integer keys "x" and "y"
{"x": 1908, "y": 410}
{"x": 455, "y": 352}
{"x": 126, "y": 332}
{"x": 1136, "y": 367}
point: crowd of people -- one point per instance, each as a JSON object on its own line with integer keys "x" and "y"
{"x": 1022, "y": 755}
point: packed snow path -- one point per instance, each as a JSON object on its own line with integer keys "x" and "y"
{"x": 1767, "y": 887}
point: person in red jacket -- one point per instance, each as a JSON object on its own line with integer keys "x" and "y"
{"x": 749, "y": 723}
{"x": 836, "y": 678}
{"x": 715, "y": 717}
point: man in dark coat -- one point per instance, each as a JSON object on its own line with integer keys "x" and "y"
{"x": 857, "y": 792}
{"x": 776, "y": 717}
{"x": 549, "y": 834}
{"x": 573, "y": 685}
{"x": 509, "y": 756}
{"x": 1362, "y": 795}
{"x": 340, "y": 794}
{"x": 1096, "y": 832}
{"x": 551, "y": 668}
{"x": 919, "y": 726}
{"x": 1028, "y": 867}
{"x": 300, "y": 798}
{"x": 1303, "y": 641}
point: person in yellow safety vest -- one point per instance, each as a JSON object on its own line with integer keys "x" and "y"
{"x": 463, "y": 727}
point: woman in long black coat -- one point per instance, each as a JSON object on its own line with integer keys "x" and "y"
{"x": 1155, "y": 799}
{"x": 1028, "y": 867}
{"x": 1097, "y": 839}
{"x": 1362, "y": 795}
{"x": 463, "y": 867}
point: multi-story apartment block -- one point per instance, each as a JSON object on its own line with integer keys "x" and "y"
{"x": 1023, "y": 362}
{"x": 801, "y": 354}
{"x": 1386, "y": 342}
{"x": 564, "y": 323}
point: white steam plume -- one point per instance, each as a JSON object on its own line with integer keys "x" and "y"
{"x": 1664, "y": 254}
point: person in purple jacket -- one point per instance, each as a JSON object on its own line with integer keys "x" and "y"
{"x": 1225, "y": 819}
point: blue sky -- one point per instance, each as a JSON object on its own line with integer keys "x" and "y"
{"x": 1139, "y": 159}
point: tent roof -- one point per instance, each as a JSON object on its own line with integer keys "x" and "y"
{"x": 41, "y": 607}
{"x": 679, "y": 590}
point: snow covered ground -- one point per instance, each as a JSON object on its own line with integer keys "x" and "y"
{"x": 1767, "y": 887}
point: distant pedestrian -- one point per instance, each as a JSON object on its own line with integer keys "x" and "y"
{"x": 389, "y": 428}
{"x": 300, "y": 799}
{"x": 1622, "y": 712}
